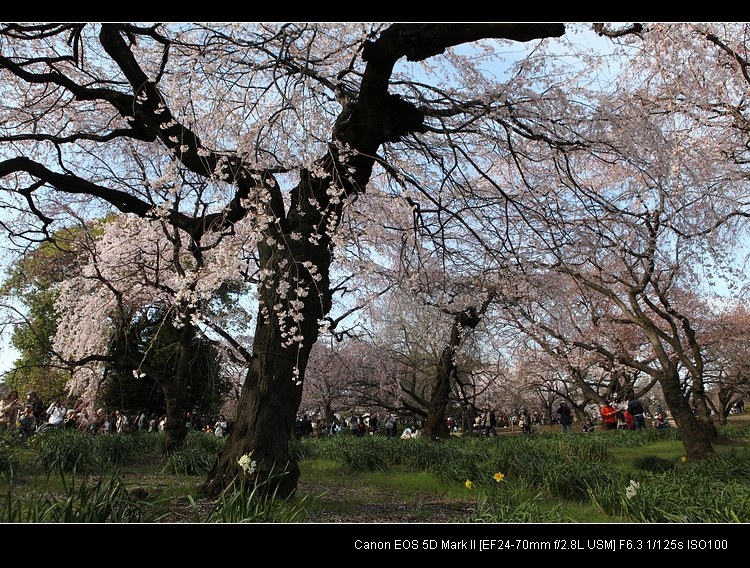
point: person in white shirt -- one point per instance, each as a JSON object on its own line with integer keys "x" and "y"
{"x": 56, "y": 414}
{"x": 220, "y": 427}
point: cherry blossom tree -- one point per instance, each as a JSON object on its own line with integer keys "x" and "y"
{"x": 199, "y": 128}
{"x": 629, "y": 198}
{"x": 353, "y": 373}
{"x": 724, "y": 334}
{"x": 283, "y": 156}
{"x": 626, "y": 220}
{"x": 432, "y": 357}
{"x": 124, "y": 308}
{"x": 569, "y": 340}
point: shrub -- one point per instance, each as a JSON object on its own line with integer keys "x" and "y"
{"x": 516, "y": 508}
{"x": 205, "y": 442}
{"x": 104, "y": 500}
{"x": 7, "y": 463}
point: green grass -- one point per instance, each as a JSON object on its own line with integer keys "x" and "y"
{"x": 625, "y": 457}
{"x": 549, "y": 477}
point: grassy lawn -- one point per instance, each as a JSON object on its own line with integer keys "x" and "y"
{"x": 550, "y": 477}
{"x": 626, "y": 457}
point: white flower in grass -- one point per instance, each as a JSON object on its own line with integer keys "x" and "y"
{"x": 247, "y": 464}
{"x": 632, "y": 489}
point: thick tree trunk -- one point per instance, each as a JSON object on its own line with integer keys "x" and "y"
{"x": 436, "y": 425}
{"x": 696, "y": 438}
{"x": 175, "y": 430}
{"x": 700, "y": 401}
{"x": 269, "y": 401}
{"x": 328, "y": 413}
{"x": 175, "y": 392}
{"x": 272, "y": 390}
{"x": 446, "y": 370}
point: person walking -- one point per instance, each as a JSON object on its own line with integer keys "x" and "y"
{"x": 307, "y": 427}
{"x": 639, "y": 416}
{"x": 490, "y": 422}
{"x": 10, "y": 409}
{"x": 122, "y": 424}
{"x": 27, "y": 422}
{"x": 37, "y": 405}
{"x": 353, "y": 424}
{"x": 565, "y": 416}
{"x": 220, "y": 427}
{"x": 525, "y": 421}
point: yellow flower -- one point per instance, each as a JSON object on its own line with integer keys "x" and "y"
{"x": 684, "y": 459}
{"x": 499, "y": 477}
{"x": 469, "y": 484}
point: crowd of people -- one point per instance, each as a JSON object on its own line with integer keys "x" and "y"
{"x": 31, "y": 415}
{"x": 631, "y": 415}
{"x": 28, "y": 415}
{"x": 626, "y": 415}
{"x": 367, "y": 423}
{"x": 487, "y": 423}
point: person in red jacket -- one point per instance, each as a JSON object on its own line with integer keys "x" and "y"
{"x": 609, "y": 414}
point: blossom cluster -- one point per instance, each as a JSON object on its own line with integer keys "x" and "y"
{"x": 632, "y": 489}
{"x": 247, "y": 464}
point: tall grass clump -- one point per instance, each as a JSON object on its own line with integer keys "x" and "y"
{"x": 7, "y": 463}
{"x": 304, "y": 449}
{"x": 453, "y": 460}
{"x": 63, "y": 449}
{"x": 115, "y": 449}
{"x": 575, "y": 480}
{"x": 74, "y": 448}
{"x": 590, "y": 448}
{"x": 671, "y": 498}
{"x": 197, "y": 456}
{"x": 653, "y": 435}
{"x": 653, "y": 464}
{"x": 621, "y": 438}
{"x": 456, "y": 462}
{"x": 729, "y": 467}
{"x": 148, "y": 443}
{"x": 352, "y": 451}
{"x": 248, "y": 501}
{"x": 715, "y": 490}
{"x": 204, "y": 441}
{"x": 190, "y": 461}
{"x": 735, "y": 431}
{"x": 9, "y": 445}
{"x": 83, "y": 499}
{"x": 362, "y": 454}
{"x": 11, "y": 440}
